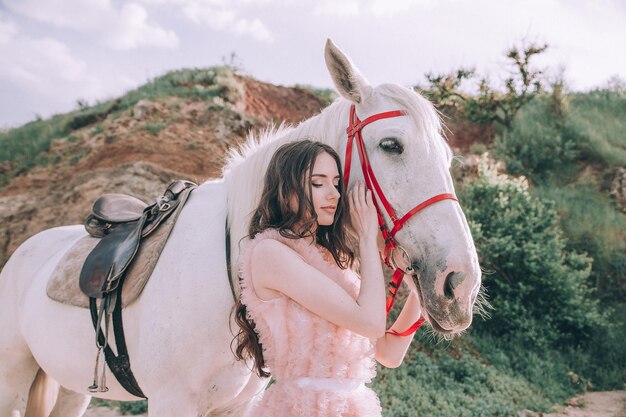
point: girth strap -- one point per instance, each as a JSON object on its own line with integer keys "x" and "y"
{"x": 123, "y": 241}
{"x": 120, "y": 363}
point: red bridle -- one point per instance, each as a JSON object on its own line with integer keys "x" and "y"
{"x": 354, "y": 135}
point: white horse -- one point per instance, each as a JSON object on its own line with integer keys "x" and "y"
{"x": 179, "y": 331}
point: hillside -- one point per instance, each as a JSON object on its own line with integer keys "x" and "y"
{"x": 137, "y": 147}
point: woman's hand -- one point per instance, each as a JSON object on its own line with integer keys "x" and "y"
{"x": 363, "y": 213}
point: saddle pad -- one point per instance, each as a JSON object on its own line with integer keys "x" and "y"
{"x": 64, "y": 287}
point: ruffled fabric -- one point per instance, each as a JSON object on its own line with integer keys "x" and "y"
{"x": 297, "y": 343}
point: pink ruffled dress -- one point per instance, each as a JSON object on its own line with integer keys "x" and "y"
{"x": 319, "y": 368}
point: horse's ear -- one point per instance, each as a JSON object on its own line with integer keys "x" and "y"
{"x": 347, "y": 78}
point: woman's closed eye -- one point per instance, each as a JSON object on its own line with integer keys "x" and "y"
{"x": 321, "y": 185}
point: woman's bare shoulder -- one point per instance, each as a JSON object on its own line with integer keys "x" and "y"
{"x": 271, "y": 251}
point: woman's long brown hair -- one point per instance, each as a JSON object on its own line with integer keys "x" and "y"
{"x": 286, "y": 177}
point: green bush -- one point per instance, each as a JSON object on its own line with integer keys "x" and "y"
{"x": 90, "y": 115}
{"x": 537, "y": 288}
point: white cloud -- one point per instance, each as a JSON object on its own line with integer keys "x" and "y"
{"x": 75, "y": 14}
{"x": 254, "y": 28}
{"x": 42, "y": 65}
{"x": 224, "y": 15}
{"x": 123, "y": 28}
{"x": 132, "y": 30}
{"x": 377, "y": 8}
{"x": 385, "y": 8}
{"x": 42, "y": 72}
{"x": 337, "y": 8}
{"x": 8, "y": 29}
{"x": 46, "y": 67}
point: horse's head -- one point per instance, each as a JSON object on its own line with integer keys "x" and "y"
{"x": 411, "y": 161}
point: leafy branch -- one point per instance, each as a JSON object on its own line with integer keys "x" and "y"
{"x": 489, "y": 105}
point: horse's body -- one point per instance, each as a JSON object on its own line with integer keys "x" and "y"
{"x": 178, "y": 331}
{"x": 172, "y": 339}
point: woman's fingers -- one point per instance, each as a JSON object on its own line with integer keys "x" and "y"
{"x": 369, "y": 199}
{"x": 363, "y": 210}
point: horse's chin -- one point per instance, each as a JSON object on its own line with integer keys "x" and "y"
{"x": 435, "y": 325}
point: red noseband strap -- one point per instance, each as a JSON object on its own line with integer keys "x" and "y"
{"x": 354, "y": 132}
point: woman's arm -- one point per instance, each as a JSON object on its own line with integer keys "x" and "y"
{"x": 277, "y": 267}
{"x": 391, "y": 349}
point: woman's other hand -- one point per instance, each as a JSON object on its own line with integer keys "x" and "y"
{"x": 363, "y": 213}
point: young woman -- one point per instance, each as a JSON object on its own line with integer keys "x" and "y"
{"x": 305, "y": 315}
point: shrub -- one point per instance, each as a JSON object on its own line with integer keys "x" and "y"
{"x": 489, "y": 105}
{"x": 90, "y": 115}
{"x": 537, "y": 288}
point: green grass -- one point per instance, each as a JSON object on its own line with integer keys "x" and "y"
{"x": 325, "y": 95}
{"x": 97, "y": 130}
{"x": 154, "y": 128}
{"x": 539, "y": 146}
{"x": 125, "y": 407}
{"x": 549, "y": 146}
{"x": 600, "y": 117}
{"x": 593, "y": 225}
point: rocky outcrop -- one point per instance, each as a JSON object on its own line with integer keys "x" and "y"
{"x": 465, "y": 169}
{"x": 142, "y": 109}
{"x": 617, "y": 187}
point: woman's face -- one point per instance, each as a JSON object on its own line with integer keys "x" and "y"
{"x": 324, "y": 189}
{"x": 324, "y": 182}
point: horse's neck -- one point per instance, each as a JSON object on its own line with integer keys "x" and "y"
{"x": 244, "y": 179}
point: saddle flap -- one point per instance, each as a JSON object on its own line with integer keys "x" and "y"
{"x": 110, "y": 258}
{"x": 118, "y": 208}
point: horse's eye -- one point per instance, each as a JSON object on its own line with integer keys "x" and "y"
{"x": 391, "y": 145}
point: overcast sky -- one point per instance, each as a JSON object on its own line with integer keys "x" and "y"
{"x": 54, "y": 52}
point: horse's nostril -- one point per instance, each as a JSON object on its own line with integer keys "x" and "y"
{"x": 453, "y": 280}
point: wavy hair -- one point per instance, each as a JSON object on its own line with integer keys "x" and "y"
{"x": 286, "y": 178}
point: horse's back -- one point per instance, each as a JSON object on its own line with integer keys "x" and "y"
{"x": 38, "y": 254}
